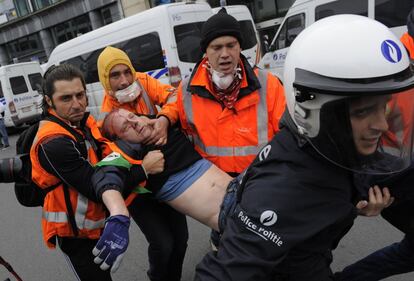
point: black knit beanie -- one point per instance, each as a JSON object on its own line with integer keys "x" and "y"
{"x": 410, "y": 23}
{"x": 221, "y": 24}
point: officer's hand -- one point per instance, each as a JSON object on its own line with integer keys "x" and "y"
{"x": 377, "y": 202}
{"x": 113, "y": 243}
{"x": 160, "y": 133}
{"x": 153, "y": 162}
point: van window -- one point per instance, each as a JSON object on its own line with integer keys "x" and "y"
{"x": 35, "y": 80}
{"x": 144, "y": 51}
{"x": 87, "y": 64}
{"x": 188, "y": 38}
{"x": 249, "y": 34}
{"x": 18, "y": 85}
{"x": 1, "y": 91}
{"x": 290, "y": 29}
{"x": 393, "y": 13}
{"x": 357, "y": 7}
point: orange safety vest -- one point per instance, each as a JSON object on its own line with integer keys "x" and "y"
{"x": 89, "y": 216}
{"x": 231, "y": 139}
{"x": 154, "y": 93}
{"x": 408, "y": 42}
{"x": 400, "y": 116}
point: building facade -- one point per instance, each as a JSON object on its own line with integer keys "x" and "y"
{"x": 31, "y": 29}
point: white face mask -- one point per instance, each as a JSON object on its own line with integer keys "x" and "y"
{"x": 221, "y": 80}
{"x": 128, "y": 94}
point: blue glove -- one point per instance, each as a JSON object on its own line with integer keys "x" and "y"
{"x": 113, "y": 243}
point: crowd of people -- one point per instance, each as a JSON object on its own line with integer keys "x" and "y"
{"x": 278, "y": 171}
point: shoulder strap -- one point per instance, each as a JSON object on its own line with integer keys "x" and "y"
{"x": 79, "y": 138}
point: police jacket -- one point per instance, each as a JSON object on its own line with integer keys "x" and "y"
{"x": 293, "y": 208}
{"x": 231, "y": 138}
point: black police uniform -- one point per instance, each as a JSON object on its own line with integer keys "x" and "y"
{"x": 294, "y": 207}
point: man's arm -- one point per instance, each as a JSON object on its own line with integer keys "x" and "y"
{"x": 60, "y": 157}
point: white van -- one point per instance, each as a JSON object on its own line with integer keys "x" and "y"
{"x": 251, "y": 48}
{"x": 19, "y": 85}
{"x": 163, "y": 41}
{"x": 392, "y": 13}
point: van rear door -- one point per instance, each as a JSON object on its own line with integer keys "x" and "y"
{"x": 24, "y": 101}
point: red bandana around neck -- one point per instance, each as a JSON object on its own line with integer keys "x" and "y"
{"x": 227, "y": 97}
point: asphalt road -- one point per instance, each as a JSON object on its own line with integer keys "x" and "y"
{"x": 22, "y": 246}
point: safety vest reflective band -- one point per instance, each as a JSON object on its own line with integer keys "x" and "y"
{"x": 147, "y": 101}
{"x": 80, "y": 216}
{"x": 172, "y": 98}
{"x": 261, "y": 119}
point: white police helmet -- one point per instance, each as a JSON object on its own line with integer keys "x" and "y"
{"x": 341, "y": 58}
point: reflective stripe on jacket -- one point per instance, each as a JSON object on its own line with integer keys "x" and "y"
{"x": 155, "y": 93}
{"x": 408, "y": 42}
{"x": 231, "y": 138}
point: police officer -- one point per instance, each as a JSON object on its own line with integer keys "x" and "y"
{"x": 296, "y": 200}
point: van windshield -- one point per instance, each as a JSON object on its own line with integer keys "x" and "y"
{"x": 188, "y": 38}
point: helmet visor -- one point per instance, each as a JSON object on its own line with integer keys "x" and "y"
{"x": 368, "y": 134}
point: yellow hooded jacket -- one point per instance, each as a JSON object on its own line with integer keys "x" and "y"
{"x": 155, "y": 93}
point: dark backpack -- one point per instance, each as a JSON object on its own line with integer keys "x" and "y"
{"x": 27, "y": 192}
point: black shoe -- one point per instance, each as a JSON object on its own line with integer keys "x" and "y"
{"x": 5, "y": 147}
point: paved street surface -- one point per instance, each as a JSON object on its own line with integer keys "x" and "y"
{"x": 22, "y": 246}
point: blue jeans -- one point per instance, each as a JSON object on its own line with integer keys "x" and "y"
{"x": 3, "y": 132}
{"x": 226, "y": 209}
{"x": 229, "y": 203}
{"x": 394, "y": 259}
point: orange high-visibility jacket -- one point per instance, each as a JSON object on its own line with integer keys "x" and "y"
{"x": 400, "y": 115}
{"x": 154, "y": 93}
{"x": 231, "y": 139}
{"x": 408, "y": 42}
{"x": 90, "y": 216}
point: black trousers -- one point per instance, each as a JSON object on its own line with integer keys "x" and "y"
{"x": 167, "y": 234}
{"x": 79, "y": 253}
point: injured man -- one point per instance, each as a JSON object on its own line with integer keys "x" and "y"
{"x": 189, "y": 183}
